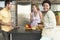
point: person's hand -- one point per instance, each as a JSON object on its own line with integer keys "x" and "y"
{"x": 16, "y": 26}
{"x": 40, "y": 26}
{"x": 9, "y": 24}
{"x": 5, "y": 24}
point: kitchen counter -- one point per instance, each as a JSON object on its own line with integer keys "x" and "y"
{"x": 21, "y": 34}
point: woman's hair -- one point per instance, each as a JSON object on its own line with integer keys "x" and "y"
{"x": 36, "y": 6}
{"x": 46, "y": 1}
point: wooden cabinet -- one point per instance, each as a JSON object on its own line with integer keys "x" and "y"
{"x": 58, "y": 19}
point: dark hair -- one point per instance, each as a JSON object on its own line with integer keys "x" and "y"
{"x": 46, "y": 1}
{"x": 7, "y": 2}
{"x": 36, "y": 6}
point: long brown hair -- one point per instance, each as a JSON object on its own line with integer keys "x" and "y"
{"x": 36, "y": 6}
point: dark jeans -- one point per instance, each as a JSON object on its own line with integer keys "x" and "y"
{"x": 6, "y": 35}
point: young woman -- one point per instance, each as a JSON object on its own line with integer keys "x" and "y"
{"x": 35, "y": 15}
{"x": 49, "y": 22}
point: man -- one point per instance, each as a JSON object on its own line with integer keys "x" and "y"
{"x": 5, "y": 19}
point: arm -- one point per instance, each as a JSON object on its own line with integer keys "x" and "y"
{"x": 51, "y": 20}
{"x": 41, "y": 16}
{"x": 6, "y": 24}
{"x": 31, "y": 17}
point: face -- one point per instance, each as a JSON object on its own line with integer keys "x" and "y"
{"x": 46, "y": 6}
{"x": 9, "y": 5}
{"x": 34, "y": 9}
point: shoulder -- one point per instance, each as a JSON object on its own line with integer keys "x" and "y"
{"x": 40, "y": 13}
{"x": 50, "y": 13}
{"x": 2, "y": 10}
{"x": 31, "y": 13}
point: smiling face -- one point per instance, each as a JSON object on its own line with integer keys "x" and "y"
{"x": 9, "y": 5}
{"x": 46, "y": 6}
{"x": 34, "y": 8}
